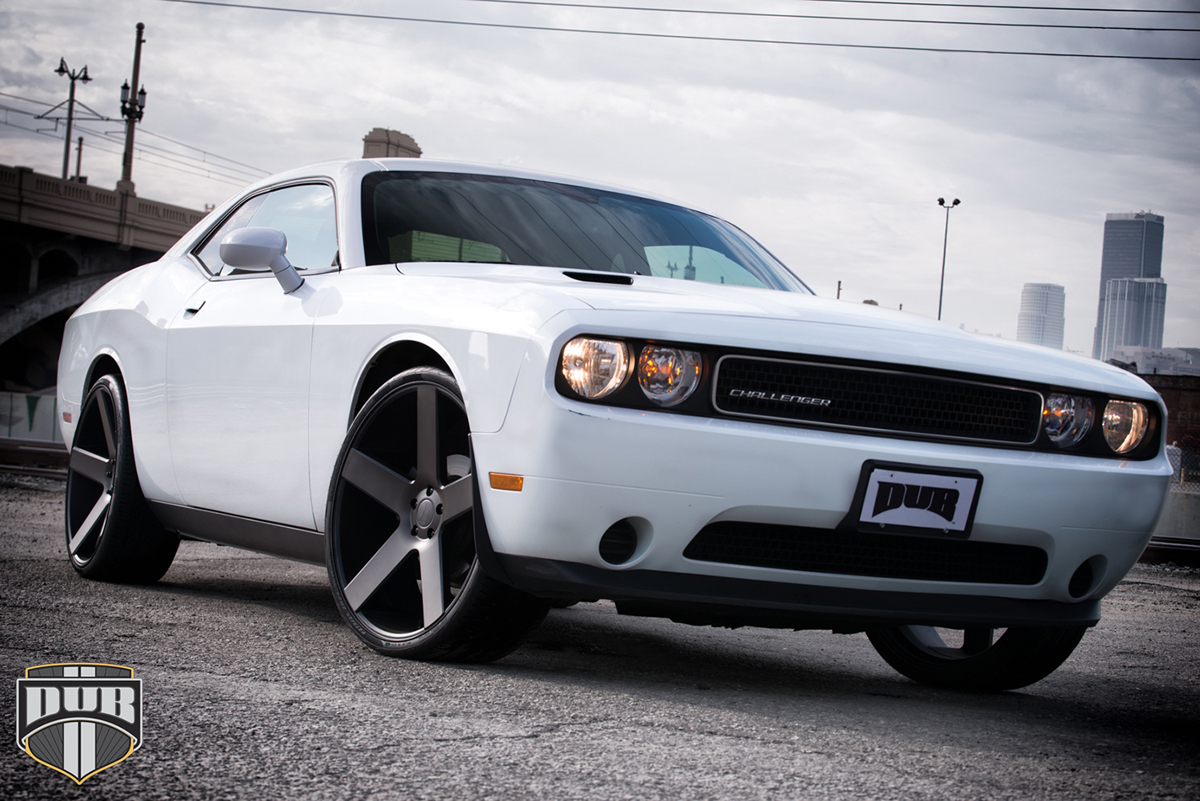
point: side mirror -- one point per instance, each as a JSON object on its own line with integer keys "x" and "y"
{"x": 259, "y": 250}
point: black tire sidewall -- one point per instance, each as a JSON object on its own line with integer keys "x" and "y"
{"x": 429, "y": 642}
{"x": 132, "y": 546}
{"x": 99, "y": 564}
{"x": 1020, "y": 657}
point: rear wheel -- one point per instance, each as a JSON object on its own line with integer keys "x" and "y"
{"x": 111, "y": 533}
{"x": 400, "y": 533}
{"x": 980, "y": 659}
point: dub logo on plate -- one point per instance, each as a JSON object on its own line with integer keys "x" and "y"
{"x": 79, "y": 718}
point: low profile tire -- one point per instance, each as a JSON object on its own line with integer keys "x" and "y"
{"x": 111, "y": 533}
{"x": 976, "y": 659}
{"x": 400, "y": 539}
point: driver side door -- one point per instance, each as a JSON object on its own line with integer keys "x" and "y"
{"x": 238, "y": 362}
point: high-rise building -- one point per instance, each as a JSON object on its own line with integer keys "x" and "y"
{"x": 1133, "y": 314}
{"x": 1132, "y": 249}
{"x": 1040, "y": 321}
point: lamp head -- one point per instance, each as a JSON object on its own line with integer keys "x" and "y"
{"x": 125, "y": 92}
{"x": 142, "y": 97}
{"x": 955, "y": 203}
{"x": 85, "y": 77}
{"x": 941, "y": 201}
{"x": 62, "y": 67}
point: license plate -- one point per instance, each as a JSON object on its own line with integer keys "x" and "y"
{"x": 907, "y": 499}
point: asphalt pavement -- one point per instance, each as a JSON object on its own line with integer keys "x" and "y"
{"x": 253, "y": 688}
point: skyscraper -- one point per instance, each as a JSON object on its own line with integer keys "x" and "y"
{"x": 1132, "y": 249}
{"x": 1133, "y": 314}
{"x": 1040, "y": 321}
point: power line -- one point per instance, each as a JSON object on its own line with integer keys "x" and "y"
{"x": 143, "y": 147}
{"x": 110, "y": 138}
{"x": 27, "y": 100}
{"x": 256, "y": 172}
{"x": 1011, "y": 8}
{"x": 776, "y": 15}
{"x": 675, "y": 36}
{"x": 224, "y": 179}
{"x": 207, "y": 153}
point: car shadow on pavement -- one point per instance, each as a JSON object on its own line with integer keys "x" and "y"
{"x": 785, "y": 674}
{"x": 310, "y": 599}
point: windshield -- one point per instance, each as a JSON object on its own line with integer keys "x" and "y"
{"x": 422, "y": 216}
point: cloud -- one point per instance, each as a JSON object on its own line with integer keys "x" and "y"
{"x": 832, "y": 158}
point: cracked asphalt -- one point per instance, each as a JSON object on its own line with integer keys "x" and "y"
{"x": 254, "y": 689}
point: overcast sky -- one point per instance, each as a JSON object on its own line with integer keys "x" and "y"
{"x": 833, "y": 158}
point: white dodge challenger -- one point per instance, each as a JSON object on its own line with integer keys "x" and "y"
{"x": 472, "y": 393}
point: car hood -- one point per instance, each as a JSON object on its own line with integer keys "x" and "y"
{"x": 805, "y": 324}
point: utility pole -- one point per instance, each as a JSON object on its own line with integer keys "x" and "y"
{"x": 82, "y": 75}
{"x": 78, "y": 159}
{"x": 131, "y": 109}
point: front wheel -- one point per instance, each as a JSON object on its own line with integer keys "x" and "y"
{"x": 111, "y": 533}
{"x": 400, "y": 539}
{"x": 976, "y": 658}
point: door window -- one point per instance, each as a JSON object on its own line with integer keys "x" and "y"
{"x": 304, "y": 213}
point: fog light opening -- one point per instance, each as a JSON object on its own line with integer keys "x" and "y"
{"x": 619, "y": 543}
{"x": 1087, "y": 577}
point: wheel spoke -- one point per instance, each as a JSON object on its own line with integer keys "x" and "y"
{"x": 380, "y": 482}
{"x": 457, "y": 497}
{"x": 427, "y": 484}
{"x": 432, "y": 593}
{"x": 106, "y": 412}
{"x": 93, "y": 522}
{"x": 380, "y": 567}
{"x": 427, "y": 432}
{"x": 91, "y": 466}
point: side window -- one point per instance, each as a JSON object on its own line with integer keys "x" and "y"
{"x": 304, "y": 213}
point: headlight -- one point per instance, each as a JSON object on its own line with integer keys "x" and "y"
{"x": 595, "y": 367}
{"x": 668, "y": 376}
{"x": 1125, "y": 424}
{"x": 1067, "y": 418}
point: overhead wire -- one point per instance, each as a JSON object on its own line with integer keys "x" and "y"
{"x": 781, "y": 15}
{"x": 674, "y": 36}
{"x": 167, "y": 154}
{"x": 1011, "y": 7}
{"x": 148, "y": 158}
{"x": 249, "y": 172}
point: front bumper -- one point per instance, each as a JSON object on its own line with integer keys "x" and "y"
{"x": 587, "y": 467}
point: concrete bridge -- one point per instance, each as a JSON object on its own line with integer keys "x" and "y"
{"x": 60, "y": 241}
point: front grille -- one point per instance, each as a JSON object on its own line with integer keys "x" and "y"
{"x": 880, "y": 400}
{"x": 880, "y": 555}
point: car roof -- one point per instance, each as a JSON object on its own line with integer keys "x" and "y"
{"x": 351, "y": 170}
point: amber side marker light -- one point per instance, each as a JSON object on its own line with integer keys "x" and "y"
{"x": 506, "y": 481}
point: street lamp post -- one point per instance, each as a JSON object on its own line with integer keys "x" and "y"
{"x": 82, "y": 75}
{"x": 132, "y": 107}
{"x": 945, "y": 240}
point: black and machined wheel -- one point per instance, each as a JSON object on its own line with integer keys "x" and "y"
{"x": 112, "y": 534}
{"x": 978, "y": 659}
{"x": 400, "y": 539}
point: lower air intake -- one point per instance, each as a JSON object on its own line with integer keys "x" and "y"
{"x": 816, "y": 550}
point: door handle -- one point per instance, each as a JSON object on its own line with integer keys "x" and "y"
{"x": 190, "y": 313}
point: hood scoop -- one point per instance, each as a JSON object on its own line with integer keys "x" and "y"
{"x": 600, "y": 278}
